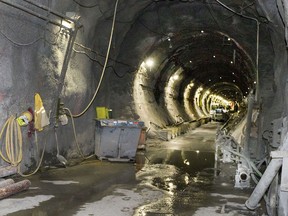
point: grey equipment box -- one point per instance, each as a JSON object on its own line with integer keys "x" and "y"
{"x": 117, "y": 140}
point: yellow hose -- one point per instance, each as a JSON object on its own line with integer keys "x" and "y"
{"x": 13, "y": 145}
{"x": 13, "y": 142}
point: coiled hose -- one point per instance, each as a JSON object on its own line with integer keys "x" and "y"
{"x": 11, "y": 151}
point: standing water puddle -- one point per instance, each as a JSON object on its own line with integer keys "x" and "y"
{"x": 183, "y": 176}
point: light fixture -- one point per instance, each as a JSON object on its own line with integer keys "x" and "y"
{"x": 191, "y": 84}
{"x": 234, "y": 81}
{"x": 220, "y": 77}
{"x": 214, "y": 56}
{"x": 231, "y": 62}
{"x": 176, "y": 77}
{"x": 202, "y": 31}
{"x": 169, "y": 39}
{"x": 228, "y": 39}
{"x": 67, "y": 24}
{"x": 149, "y": 62}
{"x": 255, "y": 82}
{"x": 190, "y": 61}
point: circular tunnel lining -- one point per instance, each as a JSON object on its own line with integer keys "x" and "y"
{"x": 204, "y": 69}
{"x": 187, "y": 60}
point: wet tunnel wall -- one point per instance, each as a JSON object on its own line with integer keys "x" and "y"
{"x": 193, "y": 45}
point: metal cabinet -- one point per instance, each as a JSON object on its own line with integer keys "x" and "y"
{"x": 117, "y": 140}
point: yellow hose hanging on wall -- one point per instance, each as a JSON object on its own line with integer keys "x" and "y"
{"x": 11, "y": 150}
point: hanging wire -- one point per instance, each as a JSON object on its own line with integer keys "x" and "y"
{"x": 105, "y": 64}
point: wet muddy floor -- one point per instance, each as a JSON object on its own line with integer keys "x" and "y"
{"x": 176, "y": 177}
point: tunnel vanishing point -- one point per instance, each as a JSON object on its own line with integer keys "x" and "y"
{"x": 161, "y": 62}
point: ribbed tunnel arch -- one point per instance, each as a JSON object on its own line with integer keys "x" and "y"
{"x": 168, "y": 63}
{"x": 172, "y": 55}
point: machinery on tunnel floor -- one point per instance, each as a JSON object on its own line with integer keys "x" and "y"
{"x": 265, "y": 172}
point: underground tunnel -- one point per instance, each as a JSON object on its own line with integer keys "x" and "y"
{"x": 195, "y": 90}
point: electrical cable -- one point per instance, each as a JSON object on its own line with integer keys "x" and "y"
{"x": 40, "y": 161}
{"x": 93, "y": 51}
{"x": 20, "y": 44}
{"x": 13, "y": 145}
{"x": 86, "y": 6}
{"x": 257, "y": 42}
{"x": 105, "y": 64}
{"x": 110, "y": 66}
{"x": 75, "y": 135}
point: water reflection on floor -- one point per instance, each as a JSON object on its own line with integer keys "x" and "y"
{"x": 185, "y": 170}
{"x": 183, "y": 175}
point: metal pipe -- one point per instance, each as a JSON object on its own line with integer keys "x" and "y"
{"x": 246, "y": 151}
{"x": 51, "y": 11}
{"x": 267, "y": 178}
{"x": 264, "y": 183}
{"x": 34, "y": 14}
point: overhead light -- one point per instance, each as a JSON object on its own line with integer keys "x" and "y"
{"x": 234, "y": 81}
{"x": 214, "y": 56}
{"x": 202, "y": 31}
{"x": 149, "y": 62}
{"x": 176, "y": 77}
{"x": 190, "y": 61}
{"x": 169, "y": 39}
{"x": 228, "y": 39}
{"x": 67, "y": 24}
{"x": 231, "y": 62}
{"x": 255, "y": 82}
{"x": 209, "y": 80}
{"x": 220, "y": 77}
